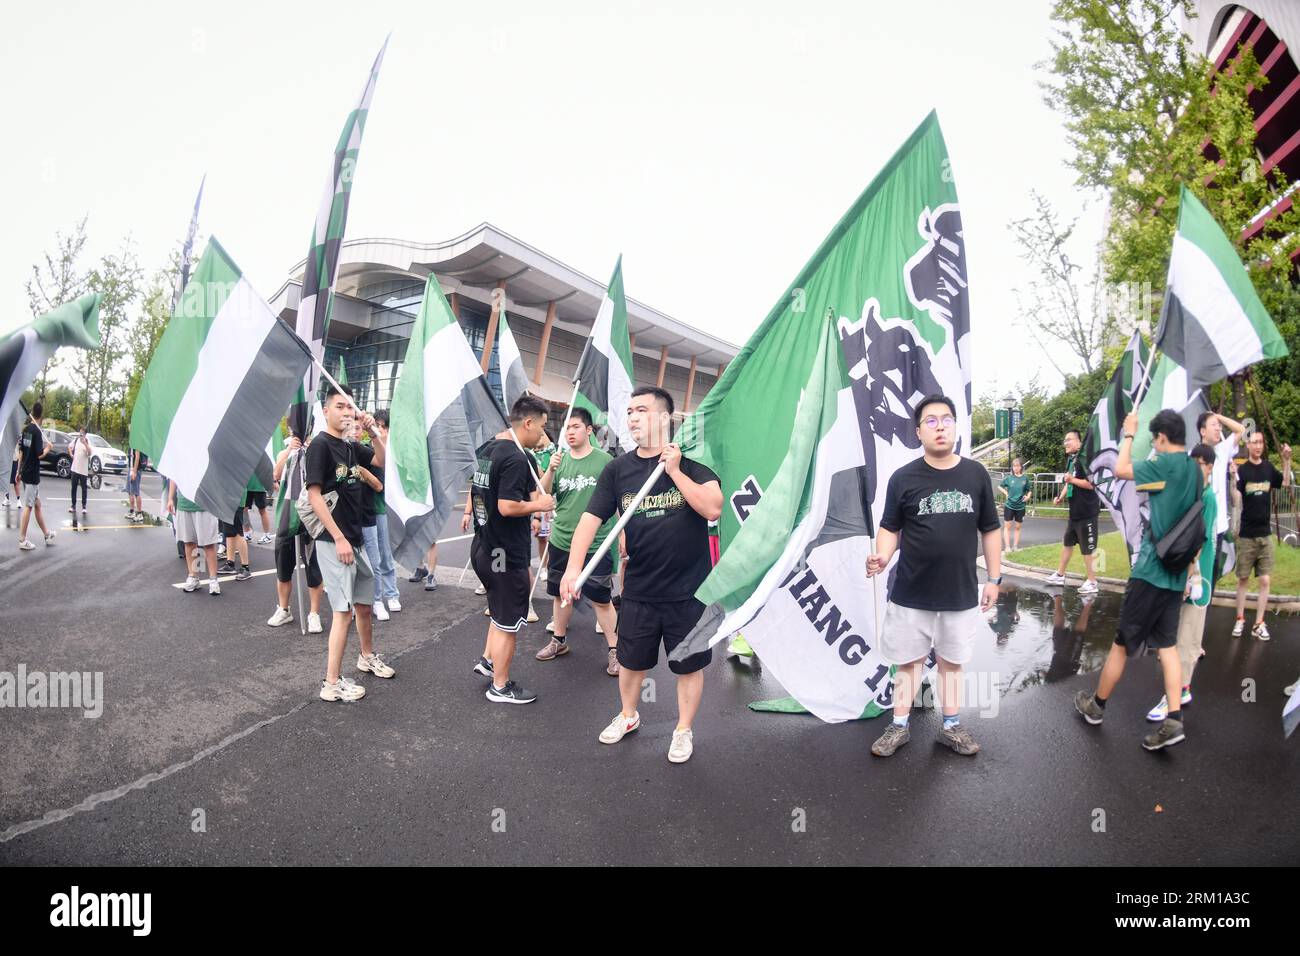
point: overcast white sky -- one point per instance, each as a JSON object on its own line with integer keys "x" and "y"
{"x": 714, "y": 145}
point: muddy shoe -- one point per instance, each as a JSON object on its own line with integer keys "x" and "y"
{"x": 1086, "y": 705}
{"x": 959, "y": 739}
{"x": 1166, "y": 735}
{"x": 553, "y": 650}
{"x": 893, "y": 738}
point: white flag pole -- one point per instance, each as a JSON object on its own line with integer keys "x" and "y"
{"x": 547, "y": 547}
{"x": 618, "y": 528}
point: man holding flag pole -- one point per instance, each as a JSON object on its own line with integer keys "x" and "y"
{"x": 667, "y": 501}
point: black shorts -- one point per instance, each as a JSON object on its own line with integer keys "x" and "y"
{"x": 232, "y": 529}
{"x": 643, "y": 624}
{"x": 1148, "y": 617}
{"x": 1083, "y": 533}
{"x": 507, "y": 590}
{"x": 599, "y": 584}
{"x": 13, "y": 472}
{"x": 284, "y": 556}
{"x": 1009, "y": 515}
{"x": 255, "y": 499}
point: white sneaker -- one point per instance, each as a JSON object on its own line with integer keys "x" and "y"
{"x": 487, "y": 612}
{"x": 1238, "y": 627}
{"x": 281, "y": 617}
{"x": 394, "y": 605}
{"x": 1160, "y": 711}
{"x": 313, "y": 623}
{"x": 26, "y": 545}
{"x": 533, "y": 618}
{"x": 345, "y": 689}
{"x": 1291, "y": 690}
{"x": 541, "y": 575}
{"x": 191, "y": 583}
{"x": 1259, "y": 631}
{"x": 214, "y": 587}
{"x": 480, "y": 590}
{"x": 599, "y": 629}
{"x": 683, "y": 745}
{"x": 550, "y": 627}
{"x": 266, "y": 538}
{"x": 374, "y": 664}
{"x": 620, "y": 727}
{"x": 380, "y": 612}
{"x": 49, "y": 540}
{"x": 1088, "y": 587}
{"x": 1054, "y": 578}
{"x": 221, "y": 550}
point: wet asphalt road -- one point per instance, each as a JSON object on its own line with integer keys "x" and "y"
{"x": 206, "y": 709}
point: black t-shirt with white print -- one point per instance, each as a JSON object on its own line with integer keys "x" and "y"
{"x": 1256, "y": 484}
{"x": 667, "y": 539}
{"x": 334, "y": 464}
{"x": 502, "y": 473}
{"x": 940, "y": 515}
{"x": 33, "y": 443}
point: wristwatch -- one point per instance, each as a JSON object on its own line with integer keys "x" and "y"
{"x": 997, "y": 580}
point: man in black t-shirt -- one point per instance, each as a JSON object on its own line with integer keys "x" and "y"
{"x": 32, "y": 447}
{"x": 1085, "y": 506}
{"x": 340, "y": 468}
{"x": 942, "y": 507}
{"x": 1256, "y": 479}
{"x": 667, "y": 560}
{"x": 503, "y": 498}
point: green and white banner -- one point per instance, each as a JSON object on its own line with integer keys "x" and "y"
{"x": 218, "y": 384}
{"x": 812, "y": 417}
{"x": 604, "y": 374}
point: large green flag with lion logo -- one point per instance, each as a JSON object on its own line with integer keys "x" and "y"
{"x": 812, "y": 417}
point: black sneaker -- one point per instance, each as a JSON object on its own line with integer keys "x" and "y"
{"x": 226, "y": 567}
{"x": 420, "y": 574}
{"x": 512, "y": 693}
{"x": 244, "y": 574}
{"x": 483, "y": 666}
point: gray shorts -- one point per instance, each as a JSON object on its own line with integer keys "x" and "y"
{"x": 30, "y": 495}
{"x": 346, "y": 584}
{"x": 908, "y": 634}
{"x": 197, "y": 528}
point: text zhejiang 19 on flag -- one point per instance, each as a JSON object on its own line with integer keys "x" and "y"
{"x": 812, "y": 417}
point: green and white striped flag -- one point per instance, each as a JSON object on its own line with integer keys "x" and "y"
{"x": 1212, "y": 322}
{"x": 443, "y": 409}
{"x": 217, "y": 386}
{"x": 323, "y": 255}
{"x": 809, "y": 421}
{"x": 24, "y": 351}
{"x": 604, "y": 374}
{"x": 514, "y": 380}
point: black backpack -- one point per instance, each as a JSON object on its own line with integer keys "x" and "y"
{"x": 1181, "y": 543}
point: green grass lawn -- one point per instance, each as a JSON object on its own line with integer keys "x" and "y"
{"x": 1112, "y": 562}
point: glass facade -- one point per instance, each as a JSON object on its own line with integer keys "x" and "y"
{"x": 374, "y": 359}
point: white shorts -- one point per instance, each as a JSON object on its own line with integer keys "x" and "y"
{"x": 197, "y": 528}
{"x": 346, "y": 584}
{"x": 908, "y": 634}
{"x": 30, "y": 495}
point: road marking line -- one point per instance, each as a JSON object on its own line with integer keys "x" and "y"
{"x": 228, "y": 577}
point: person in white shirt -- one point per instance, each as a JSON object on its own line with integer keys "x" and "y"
{"x": 80, "y": 473}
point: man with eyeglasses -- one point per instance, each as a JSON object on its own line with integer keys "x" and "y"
{"x": 1085, "y": 507}
{"x": 942, "y": 507}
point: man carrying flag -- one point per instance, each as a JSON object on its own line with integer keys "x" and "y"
{"x": 941, "y": 504}
{"x": 667, "y": 561}
{"x": 1081, "y": 529}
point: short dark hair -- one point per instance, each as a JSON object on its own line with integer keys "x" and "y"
{"x": 1075, "y": 432}
{"x": 331, "y": 390}
{"x": 528, "y": 406}
{"x": 658, "y": 393}
{"x": 1171, "y": 424}
{"x": 582, "y": 415}
{"x": 932, "y": 400}
{"x": 381, "y": 416}
{"x": 38, "y": 411}
{"x": 1202, "y": 418}
{"x": 1205, "y": 453}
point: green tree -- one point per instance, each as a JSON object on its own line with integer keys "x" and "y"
{"x": 99, "y": 372}
{"x": 59, "y": 278}
{"x": 1045, "y": 421}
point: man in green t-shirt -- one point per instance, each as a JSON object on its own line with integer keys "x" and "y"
{"x": 1016, "y": 488}
{"x": 195, "y": 529}
{"x": 571, "y": 477}
{"x": 1198, "y": 590}
{"x": 1154, "y": 594}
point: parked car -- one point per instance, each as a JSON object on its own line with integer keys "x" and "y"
{"x": 104, "y": 457}
{"x": 59, "y": 459}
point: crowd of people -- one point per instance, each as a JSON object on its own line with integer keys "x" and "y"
{"x": 527, "y": 495}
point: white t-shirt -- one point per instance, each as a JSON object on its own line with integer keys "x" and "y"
{"x": 80, "y": 457}
{"x": 1223, "y": 452}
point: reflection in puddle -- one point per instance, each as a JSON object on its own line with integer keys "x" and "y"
{"x": 1046, "y": 636}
